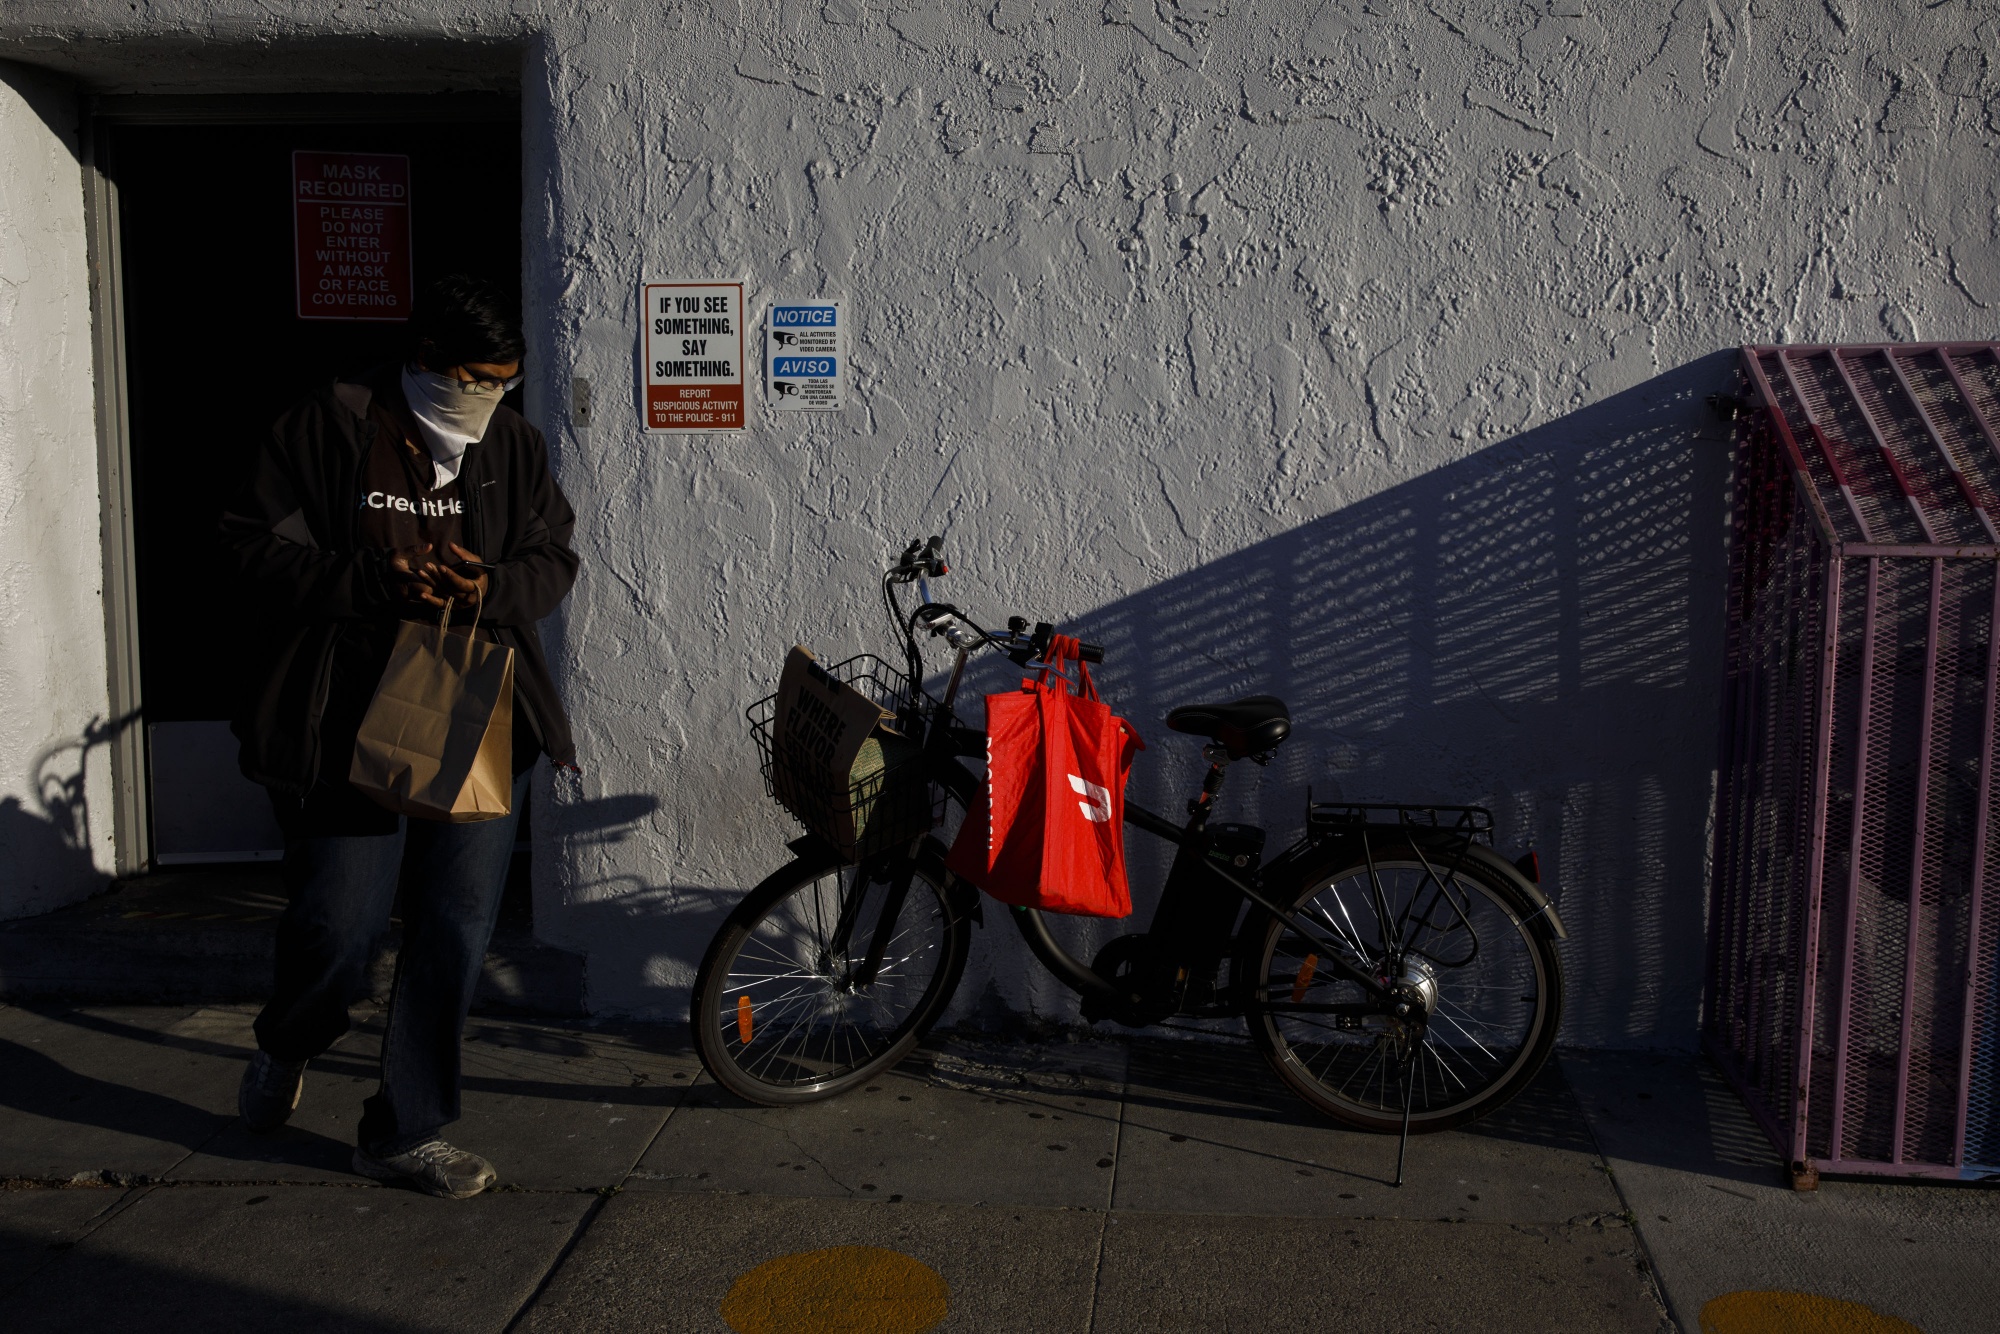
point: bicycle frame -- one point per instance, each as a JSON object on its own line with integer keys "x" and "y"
{"x": 948, "y": 742}
{"x": 1198, "y": 887}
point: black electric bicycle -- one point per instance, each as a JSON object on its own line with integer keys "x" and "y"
{"x": 1398, "y": 973}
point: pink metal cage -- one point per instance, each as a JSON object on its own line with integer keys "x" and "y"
{"x": 1853, "y": 911}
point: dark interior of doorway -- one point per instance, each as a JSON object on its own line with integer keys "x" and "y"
{"x": 215, "y": 351}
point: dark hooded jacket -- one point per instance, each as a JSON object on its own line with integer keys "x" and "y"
{"x": 291, "y": 533}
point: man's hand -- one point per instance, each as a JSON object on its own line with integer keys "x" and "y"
{"x": 465, "y": 584}
{"x": 410, "y": 575}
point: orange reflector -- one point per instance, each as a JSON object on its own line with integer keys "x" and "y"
{"x": 1303, "y": 980}
{"x": 743, "y": 1019}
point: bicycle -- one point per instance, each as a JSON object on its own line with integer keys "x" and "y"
{"x": 1398, "y": 973}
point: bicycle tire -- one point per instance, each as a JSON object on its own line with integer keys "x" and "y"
{"x": 771, "y": 1075}
{"x": 1486, "y": 1005}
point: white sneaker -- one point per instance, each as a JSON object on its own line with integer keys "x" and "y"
{"x": 433, "y": 1167}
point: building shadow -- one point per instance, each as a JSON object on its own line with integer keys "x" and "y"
{"x": 1536, "y": 628}
{"x": 1671, "y": 1109}
{"x": 1176, "y": 1075}
{"x": 101, "y": 1283}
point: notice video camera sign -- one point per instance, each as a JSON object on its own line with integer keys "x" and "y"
{"x": 804, "y": 348}
{"x": 351, "y": 235}
{"x": 693, "y": 376}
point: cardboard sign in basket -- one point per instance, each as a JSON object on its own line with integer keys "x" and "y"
{"x": 839, "y": 763}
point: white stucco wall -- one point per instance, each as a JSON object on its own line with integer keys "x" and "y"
{"x": 55, "y": 779}
{"x": 1352, "y": 351}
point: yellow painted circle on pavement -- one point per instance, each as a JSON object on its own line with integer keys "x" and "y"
{"x": 840, "y": 1290}
{"x": 1795, "y": 1313}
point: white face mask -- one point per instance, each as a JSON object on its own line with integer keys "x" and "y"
{"x": 451, "y": 414}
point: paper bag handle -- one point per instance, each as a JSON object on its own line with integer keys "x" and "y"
{"x": 444, "y": 618}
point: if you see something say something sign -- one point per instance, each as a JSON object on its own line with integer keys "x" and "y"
{"x": 805, "y": 348}
{"x": 693, "y": 348}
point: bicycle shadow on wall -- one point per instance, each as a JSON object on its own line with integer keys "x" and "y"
{"x": 1536, "y": 628}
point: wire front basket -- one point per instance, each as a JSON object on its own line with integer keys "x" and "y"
{"x": 883, "y": 800}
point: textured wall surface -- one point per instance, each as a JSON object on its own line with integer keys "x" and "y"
{"x": 1353, "y": 351}
{"x": 55, "y": 779}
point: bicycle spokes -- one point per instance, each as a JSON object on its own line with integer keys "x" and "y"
{"x": 799, "y": 1002}
{"x": 1461, "y": 987}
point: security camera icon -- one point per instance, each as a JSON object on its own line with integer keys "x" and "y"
{"x": 785, "y": 339}
{"x": 784, "y": 387}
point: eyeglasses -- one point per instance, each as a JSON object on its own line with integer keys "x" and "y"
{"x": 486, "y": 384}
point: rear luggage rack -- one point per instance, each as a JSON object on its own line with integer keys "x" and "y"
{"x": 1473, "y": 823}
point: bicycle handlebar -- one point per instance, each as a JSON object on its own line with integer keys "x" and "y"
{"x": 921, "y": 561}
{"x": 1040, "y": 644}
{"x": 1016, "y": 643}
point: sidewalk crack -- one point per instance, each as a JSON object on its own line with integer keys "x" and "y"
{"x": 1110, "y": 1202}
{"x": 659, "y": 1132}
{"x": 825, "y": 1171}
{"x": 1648, "y": 1265}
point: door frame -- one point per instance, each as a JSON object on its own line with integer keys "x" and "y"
{"x": 132, "y": 804}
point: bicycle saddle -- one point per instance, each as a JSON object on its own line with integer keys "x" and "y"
{"x": 1241, "y": 727}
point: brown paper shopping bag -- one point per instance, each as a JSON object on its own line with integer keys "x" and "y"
{"x": 437, "y": 742}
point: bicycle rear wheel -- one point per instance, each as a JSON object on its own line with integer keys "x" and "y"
{"x": 1463, "y": 944}
{"x": 779, "y": 1013}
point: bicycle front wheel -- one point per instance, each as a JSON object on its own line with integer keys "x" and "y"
{"x": 784, "y": 1011}
{"x": 1461, "y": 944}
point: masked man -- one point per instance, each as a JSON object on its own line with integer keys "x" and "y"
{"x": 374, "y": 502}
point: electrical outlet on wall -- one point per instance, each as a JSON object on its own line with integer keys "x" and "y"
{"x": 579, "y": 401}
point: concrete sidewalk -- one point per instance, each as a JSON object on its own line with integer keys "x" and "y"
{"x": 1102, "y": 1186}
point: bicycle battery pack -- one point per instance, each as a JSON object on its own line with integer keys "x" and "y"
{"x": 1197, "y": 912}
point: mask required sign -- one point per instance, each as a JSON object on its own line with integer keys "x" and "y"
{"x": 805, "y": 348}
{"x": 351, "y": 234}
{"x": 692, "y": 378}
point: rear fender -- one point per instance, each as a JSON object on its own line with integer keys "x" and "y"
{"x": 1545, "y": 918}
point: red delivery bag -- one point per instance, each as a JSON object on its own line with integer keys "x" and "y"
{"x": 1049, "y": 830}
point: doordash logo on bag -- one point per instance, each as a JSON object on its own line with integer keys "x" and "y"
{"x": 1096, "y": 803}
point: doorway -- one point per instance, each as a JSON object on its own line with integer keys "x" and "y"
{"x": 226, "y": 327}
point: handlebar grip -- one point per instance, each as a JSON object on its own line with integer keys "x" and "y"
{"x": 1039, "y": 645}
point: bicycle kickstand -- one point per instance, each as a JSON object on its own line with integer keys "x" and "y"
{"x": 1403, "y": 1144}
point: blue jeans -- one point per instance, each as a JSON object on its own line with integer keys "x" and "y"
{"x": 343, "y": 886}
